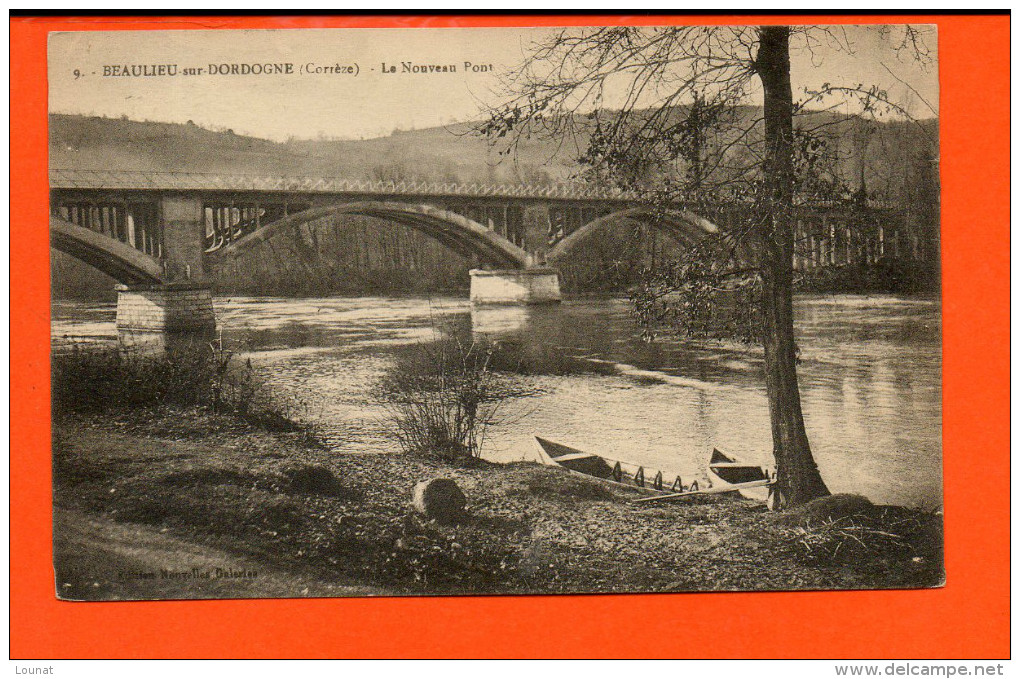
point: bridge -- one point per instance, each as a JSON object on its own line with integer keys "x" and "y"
{"x": 156, "y": 233}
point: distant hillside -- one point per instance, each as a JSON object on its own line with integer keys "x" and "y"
{"x": 445, "y": 154}
{"x": 895, "y": 152}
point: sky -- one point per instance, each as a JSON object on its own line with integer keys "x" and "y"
{"x": 340, "y": 86}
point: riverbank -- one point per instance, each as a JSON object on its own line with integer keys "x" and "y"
{"x": 182, "y": 503}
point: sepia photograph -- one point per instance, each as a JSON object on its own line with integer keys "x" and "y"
{"x": 356, "y": 312}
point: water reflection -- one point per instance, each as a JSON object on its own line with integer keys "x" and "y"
{"x": 870, "y": 375}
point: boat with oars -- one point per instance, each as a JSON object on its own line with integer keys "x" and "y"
{"x": 750, "y": 480}
{"x": 727, "y": 474}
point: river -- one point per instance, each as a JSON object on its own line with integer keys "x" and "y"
{"x": 870, "y": 378}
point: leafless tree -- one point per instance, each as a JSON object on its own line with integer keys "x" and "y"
{"x": 665, "y": 113}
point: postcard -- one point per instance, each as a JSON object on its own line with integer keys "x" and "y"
{"x": 356, "y": 312}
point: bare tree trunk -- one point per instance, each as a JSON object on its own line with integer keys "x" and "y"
{"x": 798, "y": 477}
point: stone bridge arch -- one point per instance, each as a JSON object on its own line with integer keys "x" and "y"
{"x": 453, "y": 230}
{"x": 122, "y": 262}
{"x": 686, "y": 226}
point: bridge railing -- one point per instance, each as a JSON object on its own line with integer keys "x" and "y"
{"x": 196, "y": 181}
{"x": 63, "y": 178}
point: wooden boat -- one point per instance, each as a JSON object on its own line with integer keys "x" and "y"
{"x": 618, "y": 473}
{"x": 752, "y": 481}
{"x": 635, "y": 477}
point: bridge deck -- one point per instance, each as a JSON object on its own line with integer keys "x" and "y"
{"x": 137, "y": 180}
{"x": 196, "y": 181}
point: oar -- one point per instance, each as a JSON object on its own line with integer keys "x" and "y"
{"x": 707, "y": 491}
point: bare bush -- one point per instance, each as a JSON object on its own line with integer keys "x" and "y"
{"x": 205, "y": 375}
{"x": 443, "y": 395}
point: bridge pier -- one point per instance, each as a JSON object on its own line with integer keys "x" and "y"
{"x": 158, "y": 316}
{"x": 178, "y": 310}
{"x": 515, "y": 286}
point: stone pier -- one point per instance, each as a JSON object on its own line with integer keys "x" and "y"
{"x": 515, "y": 286}
{"x": 163, "y": 315}
{"x": 177, "y": 311}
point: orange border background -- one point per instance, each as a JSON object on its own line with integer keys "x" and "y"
{"x": 967, "y": 618}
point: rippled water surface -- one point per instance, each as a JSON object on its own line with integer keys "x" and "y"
{"x": 870, "y": 379}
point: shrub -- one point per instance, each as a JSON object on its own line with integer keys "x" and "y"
{"x": 96, "y": 380}
{"x": 443, "y": 395}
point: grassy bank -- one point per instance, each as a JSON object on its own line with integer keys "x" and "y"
{"x": 149, "y": 500}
